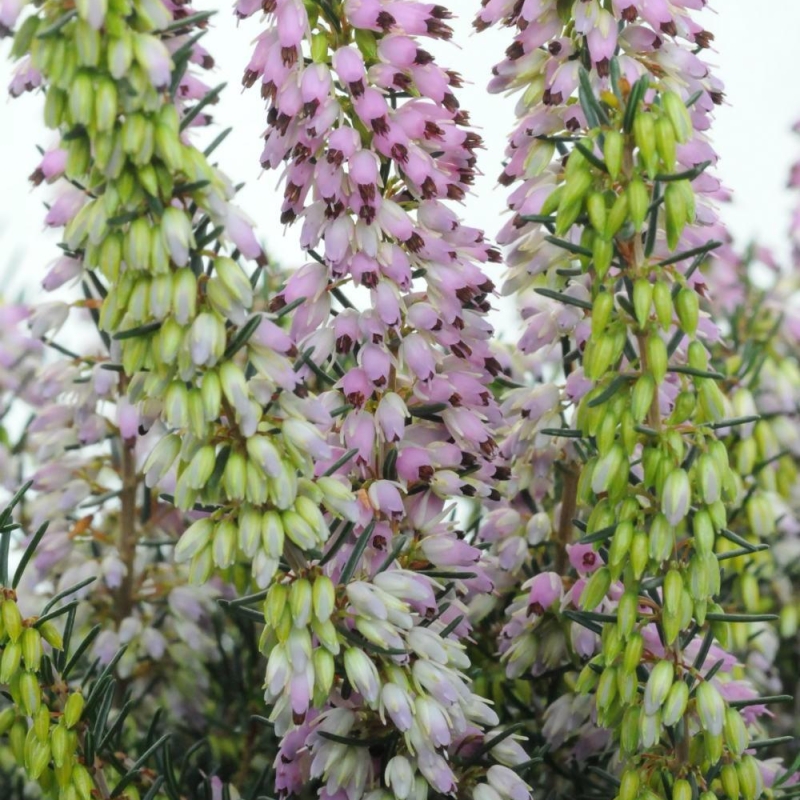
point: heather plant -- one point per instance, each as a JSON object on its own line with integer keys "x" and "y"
{"x": 319, "y": 531}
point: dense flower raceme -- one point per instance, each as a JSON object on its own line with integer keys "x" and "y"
{"x": 372, "y": 143}
{"x": 611, "y": 220}
{"x": 247, "y": 423}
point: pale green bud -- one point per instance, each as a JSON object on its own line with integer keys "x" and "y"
{"x": 642, "y": 300}
{"x": 82, "y": 781}
{"x": 751, "y": 782}
{"x": 710, "y": 708}
{"x": 629, "y": 730}
{"x": 644, "y": 391}
{"x": 673, "y": 590}
{"x": 665, "y": 143}
{"x": 606, "y": 468}
{"x": 662, "y": 300}
{"x": 324, "y": 597}
{"x": 327, "y": 635}
{"x": 620, "y": 543}
{"x": 300, "y": 602}
{"x": 272, "y": 534}
{"x": 596, "y": 207}
{"x": 249, "y": 530}
{"x": 650, "y": 729}
{"x": 629, "y": 785}
{"x": 234, "y": 476}
{"x": 627, "y": 612}
{"x": 658, "y": 685}
{"x": 613, "y": 149}
{"x": 225, "y": 541}
{"x": 638, "y": 203}
{"x": 311, "y": 513}
{"x": 639, "y": 554}
{"x": 677, "y": 496}
{"x": 31, "y": 641}
{"x": 678, "y": 115}
{"x": 235, "y": 280}
{"x": 40, "y": 758}
{"x": 687, "y": 306}
{"x": 201, "y": 566}
{"x": 11, "y": 620}
{"x": 617, "y": 215}
{"x": 602, "y": 307}
{"x": 633, "y": 652}
{"x": 201, "y": 467}
{"x": 730, "y": 781}
{"x": 675, "y": 704}
{"x": 602, "y": 255}
{"x": 298, "y": 530}
{"x": 657, "y": 358}
{"x": 596, "y": 589}
{"x": 662, "y": 539}
{"x": 735, "y": 731}
{"x": 10, "y": 661}
{"x": 7, "y": 717}
{"x": 29, "y": 690}
{"x": 324, "y": 671}
{"x": 607, "y": 688}
{"x": 194, "y": 539}
{"x": 682, "y": 790}
{"x": 644, "y": 135}
{"x": 184, "y": 295}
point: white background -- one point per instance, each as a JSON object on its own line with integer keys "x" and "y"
{"x": 755, "y": 53}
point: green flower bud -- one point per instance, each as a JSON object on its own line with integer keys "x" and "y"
{"x": 607, "y": 688}
{"x": 644, "y": 135}
{"x": 629, "y": 730}
{"x": 678, "y": 115}
{"x": 751, "y": 784}
{"x": 644, "y": 391}
{"x": 10, "y": 661}
{"x": 51, "y": 634}
{"x": 673, "y": 589}
{"x": 300, "y": 602}
{"x": 201, "y": 467}
{"x": 662, "y": 300}
{"x": 323, "y": 597}
{"x": 657, "y": 358}
{"x": 224, "y": 546}
{"x": 711, "y": 401}
{"x": 613, "y": 149}
{"x": 596, "y": 208}
{"x": 638, "y": 203}
{"x": 639, "y": 554}
{"x": 137, "y": 245}
{"x": 687, "y": 306}
{"x": 82, "y": 781}
{"x": 298, "y": 530}
{"x": 665, "y": 143}
{"x": 311, "y": 513}
{"x": 11, "y": 620}
{"x": 552, "y": 201}
{"x": 40, "y": 758}
{"x": 677, "y": 496}
{"x": 629, "y": 785}
{"x": 662, "y": 539}
{"x": 642, "y": 300}
{"x": 602, "y": 255}
{"x": 633, "y": 652}
{"x": 596, "y": 589}
{"x": 327, "y": 635}
{"x": 7, "y": 717}
{"x": 735, "y": 732}
{"x": 682, "y": 790}
{"x": 571, "y": 201}
{"x": 620, "y": 543}
{"x": 627, "y": 612}
{"x": 710, "y": 708}
{"x": 30, "y": 693}
{"x": 658, "y": 685}
{"x": 324, "y": 671}
{"x": 194, "y": 539}
{"x": 105, "y": 104}
{"x": 650, "y": 729}
{"x": 607, "y": 467}
{"x": 675, "y": 704}
{"x": 272, "y": 534}
{"x": 730, "y": 781}
{"x": 234, "y": 475}
{"x": 617, "y": 216}
{"x": 32, "y": 649}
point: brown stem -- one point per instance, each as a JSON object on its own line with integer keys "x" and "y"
{"x": 126, "y": 542}
{"x": 569, "y": 505}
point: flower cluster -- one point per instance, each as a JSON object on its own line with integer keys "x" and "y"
{"x": 622, "y": 440}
